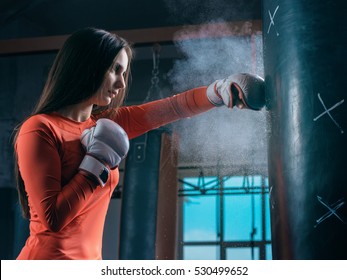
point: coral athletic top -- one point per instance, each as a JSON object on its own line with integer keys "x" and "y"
{"x": 67, "y": 211}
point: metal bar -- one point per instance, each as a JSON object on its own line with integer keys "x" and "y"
{"x": 263, "y": 219}
{"x": 227, "y": 244}
{"x": 139, "y": 36}
{"x": 222, "y": 252}
{"x": 225, "y": 193}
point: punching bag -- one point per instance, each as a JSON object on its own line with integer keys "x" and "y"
{"x": 305, "y": 77}
{"x": 149, "y": 199}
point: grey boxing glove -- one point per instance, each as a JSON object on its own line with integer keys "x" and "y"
{"x": 106, "y": 145}
{"x": 242, "y": 90}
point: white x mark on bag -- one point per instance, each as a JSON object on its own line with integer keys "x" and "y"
{"x": 272, "y": 23}
{"x": 327, "y": 111}
{"x": 332, "y": 210}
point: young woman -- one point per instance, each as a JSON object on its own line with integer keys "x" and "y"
{"x": 68, "y": 151}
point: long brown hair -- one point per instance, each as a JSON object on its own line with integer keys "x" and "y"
{"x": 77, "y": 73}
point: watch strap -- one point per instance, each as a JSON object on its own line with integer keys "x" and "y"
{"x": 95, "y": 167}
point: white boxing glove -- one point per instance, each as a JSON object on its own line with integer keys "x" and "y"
{"x": 242, "y": 90}
{"x": 106, "y": 145}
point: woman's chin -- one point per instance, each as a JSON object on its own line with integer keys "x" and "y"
{"x": 104, "y": 102}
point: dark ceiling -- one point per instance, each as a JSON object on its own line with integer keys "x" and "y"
{"x": 33, "y": 18}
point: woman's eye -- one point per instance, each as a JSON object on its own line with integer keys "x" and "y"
{"x": 119, "y": 70}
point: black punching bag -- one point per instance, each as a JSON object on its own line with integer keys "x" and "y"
{"x": 305, "y": 76}
{"x": 149, "y": 198}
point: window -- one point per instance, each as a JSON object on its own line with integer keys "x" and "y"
{"x": 225, "y": 218}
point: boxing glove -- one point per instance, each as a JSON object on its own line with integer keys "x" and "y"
{"x": 242, "y": 90}
{"x": 106, "y": 144}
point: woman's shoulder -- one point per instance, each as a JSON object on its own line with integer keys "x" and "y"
{"x": 41, "y": 127}
{"x": 41, "y": 122}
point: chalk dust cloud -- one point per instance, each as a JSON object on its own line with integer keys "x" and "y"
{"x": 224, "y": 136}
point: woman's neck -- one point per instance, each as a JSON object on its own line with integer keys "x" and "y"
{"x": 79, "y": 112}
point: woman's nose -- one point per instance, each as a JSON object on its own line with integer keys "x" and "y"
{"x": 121, "y": 82}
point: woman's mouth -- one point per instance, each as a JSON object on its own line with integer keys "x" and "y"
{"x": 112, "y": 93}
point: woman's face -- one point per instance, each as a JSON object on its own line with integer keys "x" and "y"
{"x": 113, "y": 81}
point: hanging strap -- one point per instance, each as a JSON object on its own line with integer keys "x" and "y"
{"x": 154, "y": 89}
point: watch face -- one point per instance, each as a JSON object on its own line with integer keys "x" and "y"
{"x": 104, "y": 175}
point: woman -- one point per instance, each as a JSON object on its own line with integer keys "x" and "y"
{"x": 68, "y": 150}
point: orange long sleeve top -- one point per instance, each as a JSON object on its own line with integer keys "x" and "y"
{"x": 67, "y": 212}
